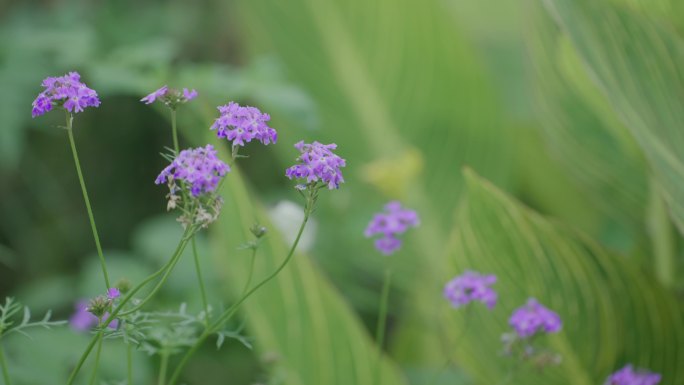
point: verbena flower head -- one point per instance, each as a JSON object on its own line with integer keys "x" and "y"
{"x": 318, "y": 165}
{"x": 64, "y": 91}
{"x": 199, "y": 168}
{"x": 533, "y": 318}
{"x": 471, "y": 286}
{"x": 197, "y": 171}
{"x": 241, "y": 125}
{"x": 628, "y": 376}
{"x": 170, "y": 97}
{"x": 390, "y": 223}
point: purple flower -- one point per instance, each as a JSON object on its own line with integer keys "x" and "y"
{"x": 627, "y": 376}
{"x": 64, "y": 91}
{"x": 317, "y": 163}
{"x": 471, "y": 286}
{"x": 200, "y": 169}
{"x": 83, "y": 320}
{"x": 170, "y": 96}
{"x": 533, "y": 318}
{"x": 394, "y": 221}
{"x": 241, "y": 125}
{"x": 113, "y": 293}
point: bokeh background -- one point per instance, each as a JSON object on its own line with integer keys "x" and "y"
{"x": 539, "y": 140}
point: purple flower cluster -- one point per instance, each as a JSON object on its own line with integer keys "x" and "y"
{"x": 241, "y": 125}
{"x": 394, "y": 221}
{"x": 533, "y": 318}
{"x": 66, "y": 91}
{"x": 86, "y": 315}
{"x": 471, "y": 286}
{"x": 317, "y": 163}
{"x": 169, "y": 96}
{"x": 628, "y": 376}
{"x": 199, "y": 168}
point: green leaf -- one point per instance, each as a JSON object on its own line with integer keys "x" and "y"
{"x": 613, "y": 312}
{"x": 584, "y": 134}
{"x": 298, "y": 317}
{"x": 633, "y": 60}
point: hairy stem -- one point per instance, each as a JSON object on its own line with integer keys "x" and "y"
{"x": 200, "y": 280}
{"x": 97, "y": 357}
{"x": 174, "y": 131}
{"x": 226, "y": 315}
{"x": 91, "y": 217}
{"x": 163, "y": 368}
{"x": 382, "y": 323}
{"x": 5, "y": 369}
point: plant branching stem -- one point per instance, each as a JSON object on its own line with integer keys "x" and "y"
{"x": 97, "y": 357}
{"x": 226, "y": 315}
{"x": 200, "y": 280}
{"x": 174, "y": 130}
{"x": 91, "y": 217}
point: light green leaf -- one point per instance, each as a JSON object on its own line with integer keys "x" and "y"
{"x": 634, "y": 61}
{"x": 613, "y": 313}
{"x": 584, "y": 134}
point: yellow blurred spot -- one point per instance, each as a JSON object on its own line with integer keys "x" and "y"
{"x": 392, "y": 177}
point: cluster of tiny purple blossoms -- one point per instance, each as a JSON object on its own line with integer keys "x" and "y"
{"x": 66, "y": 91}
{"x": 628, "y": 376}
{"x": 533, "y": 318}
{"x": 169, "y": 96}
{"x": 471, "y": 286}
{"x": 200, "y": 168}
{"x": 392, "y": 222}
{"x": 242, "y": 124}
{"x": 317, "y": 163}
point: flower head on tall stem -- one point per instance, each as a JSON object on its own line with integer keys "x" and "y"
{"x": 195, "y": 174}
{"x": 317, "y": 165}
{"x": 534, "y": 318}
{"x": 242, "y": 124}
{"x": 629, "y": 376}
{"x": 392, "y": 222}
{"x": 171, "y": 97}
{"x": 65, "y": 91}
{"x": 471, "y": 286}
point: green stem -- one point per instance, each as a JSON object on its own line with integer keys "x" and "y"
{"x": 201, "y": 282}
{"x": 662, "y": 234}
{"x": 174, "y": 130}
{"x": 97, "y": 356}
{"x": 448, "y": 360}
{"x": 251, "y": 271}
{"x": 382, "y": 324}
{"x": 169, "y": 265}
{"x": 226, "y": 315}
{"x": 5, "y": 369}
{"x": 163, "y": 368}
{"x": 70, "y": 119}
{"x": 129, "y": 364}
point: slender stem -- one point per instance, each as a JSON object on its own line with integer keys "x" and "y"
{"x": 163, "y": 368}
{"x": 5, "y": 369}
{"x": 201, "y": 282}
{"x": 97, "y": 356}
{"x": 382, "y": 323}
{"x": 174, "y": 131}
{"x": 129, "y": 364}
{"x": 251, "y": 271}
{"x": 91, "y": 217}
{"x": 448, "y": 360}
{"x": 226, "y": 315}
{"x": 168, "y": 266}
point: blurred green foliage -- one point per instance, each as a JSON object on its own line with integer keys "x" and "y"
{"x": 572, "y": 108}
